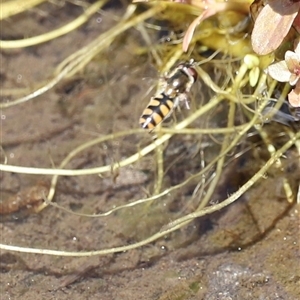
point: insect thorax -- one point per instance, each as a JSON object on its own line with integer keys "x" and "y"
{"x": 177, "y": 84}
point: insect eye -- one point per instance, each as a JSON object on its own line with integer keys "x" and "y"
{"x": 193, "y": 73}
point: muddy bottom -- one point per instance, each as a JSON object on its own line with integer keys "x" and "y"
{"x": 249, "y": 250}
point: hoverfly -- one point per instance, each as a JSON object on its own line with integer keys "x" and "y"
{"x": 174, "y": 88}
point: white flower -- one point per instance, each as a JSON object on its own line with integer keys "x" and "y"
{"x": 288, "y": 70}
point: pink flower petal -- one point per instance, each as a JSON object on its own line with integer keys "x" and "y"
{"x": 294, "y": 98}
{"x": 190, "y": 31}
{"x": 272, "y": 25}
{"x": 291, "y": 55}
{"x": 292, "y": 60}
{"x": 279, "y": 71}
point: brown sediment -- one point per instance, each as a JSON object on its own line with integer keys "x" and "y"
{"x": 27, "y": 198}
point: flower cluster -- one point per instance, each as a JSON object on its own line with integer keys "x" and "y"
{"x": 288, "y": 70}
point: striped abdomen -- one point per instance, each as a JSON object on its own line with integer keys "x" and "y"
{"x": 158, "y": 109}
